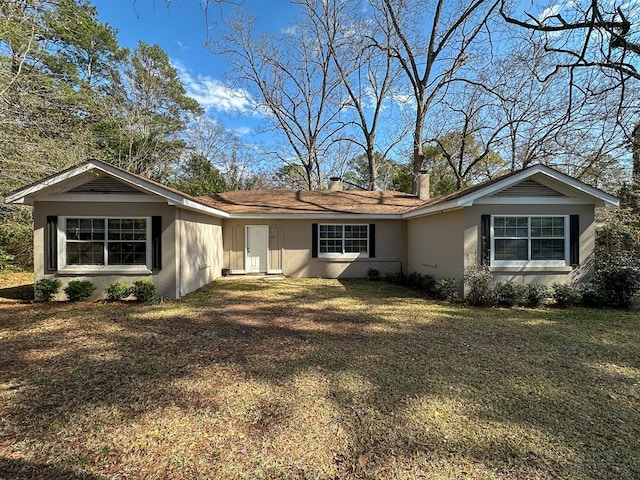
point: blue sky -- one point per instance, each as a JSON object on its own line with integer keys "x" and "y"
{"x": 180, "y": 28}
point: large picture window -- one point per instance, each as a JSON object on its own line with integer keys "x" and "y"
{"x": 105, "y": 242}
{"x": 529, "y": 240}
{"x": 348, "y": 240}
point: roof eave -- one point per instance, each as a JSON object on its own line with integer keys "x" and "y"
{"x": 316, "y": 216}
{"x": 438, "y": 208}
{"x": 599, "y": 197}
{"x": 25, "y": 195}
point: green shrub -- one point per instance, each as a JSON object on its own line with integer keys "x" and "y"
{"x": 78, "y": 290}
{"x": 618, "y": 285}
{"x": 417, "y": 281}
{"x": 118, "y": 290}
{"x": 618, "y": 241}
{"x": 373, "y": 274}
{"x": 397, "y": 278}
{"x": 508, "y": 294}
{"x": 566, "y": 295}
{"x": 144, "y": 290}
{"x": 479, "y": 284}
{"x": 447, "y": 289}
{"x": 617, "y": 261}
{"x": 428, "y": 285}
{"x": 46, "y": 288}
{"x": 534, "y": 294}
{"x": 592, "y": 296}
{"x": 5, "y": 259}
{"x": 16, "y": 236}
{"x": 413, "y": 280}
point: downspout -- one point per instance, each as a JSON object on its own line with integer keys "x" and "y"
{"x": 178, "y": 252}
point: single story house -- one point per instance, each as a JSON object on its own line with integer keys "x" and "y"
{"x": 98, "y": 222}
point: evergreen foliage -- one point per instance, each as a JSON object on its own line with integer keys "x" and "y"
{"x": 45, "y": 289}
{"x": 118, "y": 290}
{"x": 78, "y": 290}
{"x": 144, "y": 290}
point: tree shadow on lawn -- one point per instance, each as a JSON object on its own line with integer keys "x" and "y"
{"x": 508, "y": 393}
{"x": 20, "y": 292}
{"x": 19, "y": 469}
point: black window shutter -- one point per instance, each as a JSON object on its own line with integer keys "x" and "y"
{"x": 314, "y": 240}
{"x": 156, "y": 242}
{"x": 51, "y": 244}
{"x": 574, "y": 239}
{"x": 485, "y": 240}
{"x": 372, "y": 240}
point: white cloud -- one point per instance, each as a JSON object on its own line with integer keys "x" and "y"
{"x": 403, "y": 100}
{"x": 290, "y": 30}
{"x": 242, "y": 131}
{"x": 550, "y": 12}
{"x": 213, "y": 94}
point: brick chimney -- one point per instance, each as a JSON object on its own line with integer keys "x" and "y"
{"x": 335, "y": 184}
{"x": 423, "y": 185}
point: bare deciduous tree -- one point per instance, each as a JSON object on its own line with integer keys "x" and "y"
{"x": 592, "y": 33}
{"x": 367, "y": 76}
{"x": 293, "y": 76}
{"x": 431, "y": 43}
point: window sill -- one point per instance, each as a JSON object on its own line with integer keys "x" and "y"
{"x": 532, "y": 269}
{"x": 68, "y": 271}
{"x": 356, "y": 259}
{"x": 341, "y": 258}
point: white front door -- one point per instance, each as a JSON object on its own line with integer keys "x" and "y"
{"x": 257, "y": 245}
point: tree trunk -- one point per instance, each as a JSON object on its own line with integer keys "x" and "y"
{"x": 635, "y": 150}
{"x": 418, "y": 155}
{"x": 373, "y": 167}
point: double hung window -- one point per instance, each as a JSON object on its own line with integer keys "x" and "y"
{"x": 105, "y": 242}
{"x": 348, "y": 240}
{"x": 530, "y": 240}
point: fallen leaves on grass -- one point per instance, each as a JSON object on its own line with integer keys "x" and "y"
{"x": 316, "y": 379}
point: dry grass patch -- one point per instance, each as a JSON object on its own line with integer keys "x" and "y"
{"x": 316, "y": 379}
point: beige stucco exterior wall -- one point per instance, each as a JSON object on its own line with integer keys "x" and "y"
{"x": 435, "y": 244}
{"x": 545, "y": 275}
{"x": 290, "y": 248}
{"x": 199, "y": 247}
{"x": 164, "y": 279}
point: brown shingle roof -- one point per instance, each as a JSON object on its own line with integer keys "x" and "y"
{"x": 313, "y": 202}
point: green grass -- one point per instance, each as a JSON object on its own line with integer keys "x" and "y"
{"x": 317, "y": 379}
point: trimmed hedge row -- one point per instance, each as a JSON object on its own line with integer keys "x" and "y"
{"x": 143, "y": 290}
{"x": 614, "y": 287}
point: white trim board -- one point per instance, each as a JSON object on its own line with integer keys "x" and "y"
{"x": 100, "y": 197}
{"x": 26, "y": 195}
{"x": 531, "y": 201}
{"x": 480, "y": 195}
{"x": 314, "y": 216}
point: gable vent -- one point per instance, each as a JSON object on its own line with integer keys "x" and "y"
{"x": 104, "y": 185}
{"x": 528, "y": 188}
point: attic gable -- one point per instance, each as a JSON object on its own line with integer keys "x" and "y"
{"x": 97, "y": 181}
{"x": 537, "y": 184}
{"x": 104, "y": 185}
{"x": 528, "y": 188}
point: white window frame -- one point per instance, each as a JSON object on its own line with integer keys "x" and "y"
{"x": 530, "y": 263}
{"x": 349, "y": 255}
{"x": 62, "y": 247}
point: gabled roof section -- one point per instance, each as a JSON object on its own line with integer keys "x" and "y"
{"x": 303, "y": 202}
{"x": 554, "y": 183}
{"x": 536, "y": 184}
{"x": 55, "y": 182}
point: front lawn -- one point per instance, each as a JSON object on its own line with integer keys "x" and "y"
{"x": 316, "y": 379}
